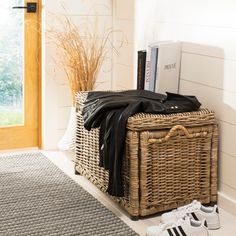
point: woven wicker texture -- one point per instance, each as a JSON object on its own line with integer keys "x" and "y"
{"x": 87, "y": 162}
{"x": 169, "y": 160}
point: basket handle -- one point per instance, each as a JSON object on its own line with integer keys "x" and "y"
{"x": 173, "y": 130}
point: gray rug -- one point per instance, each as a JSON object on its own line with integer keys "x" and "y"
{"x": 36, "y": 198}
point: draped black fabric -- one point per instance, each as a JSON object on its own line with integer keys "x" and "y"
{"x": 111, "y": 110}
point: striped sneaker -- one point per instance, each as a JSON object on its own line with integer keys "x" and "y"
{"x": 183, "y": 227}
{"x": 196, "y": 211}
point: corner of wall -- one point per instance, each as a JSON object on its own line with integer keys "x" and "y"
{"x": 227, "y": 203}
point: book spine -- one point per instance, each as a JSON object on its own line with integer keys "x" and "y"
{"x": 153, "y": 67}
{"x": 141, "y": 69}
{"x": 147, "y": 69}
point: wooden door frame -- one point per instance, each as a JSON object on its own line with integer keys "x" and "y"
{"x": 39, "y": 67}
{"x": 39, "y": 12}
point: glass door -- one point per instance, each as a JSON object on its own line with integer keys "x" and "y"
{"x": 19, "y": 75}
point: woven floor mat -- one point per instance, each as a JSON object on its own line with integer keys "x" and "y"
{"x": 37, "y": 198}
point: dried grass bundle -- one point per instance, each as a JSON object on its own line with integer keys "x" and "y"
{"x": 81, "y": 55}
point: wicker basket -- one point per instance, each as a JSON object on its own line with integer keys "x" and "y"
{"x": 170, "y": 160}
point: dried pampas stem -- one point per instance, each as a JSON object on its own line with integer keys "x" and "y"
{"x": 81, "y": 56}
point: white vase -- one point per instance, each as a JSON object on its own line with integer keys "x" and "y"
{"x": 68, "y": 140}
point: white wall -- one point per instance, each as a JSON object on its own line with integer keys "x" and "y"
{"x": 56, "y": 95}
{"x": 208, "y": 69}
{"x": 123, "y": 61}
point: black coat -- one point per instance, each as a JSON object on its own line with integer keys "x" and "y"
{"x": 111, "y": 110}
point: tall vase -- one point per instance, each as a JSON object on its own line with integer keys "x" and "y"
{"x": 67, "y": 142}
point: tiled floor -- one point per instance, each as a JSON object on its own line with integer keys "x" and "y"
{"x": 228, "y": 221}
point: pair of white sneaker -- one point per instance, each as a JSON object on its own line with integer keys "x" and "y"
{"x": 190, "y": 220}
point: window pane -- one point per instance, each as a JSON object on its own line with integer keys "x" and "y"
{"x": 11, "y": 63}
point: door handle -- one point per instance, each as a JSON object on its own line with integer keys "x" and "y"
{"x": 31, "y": 7}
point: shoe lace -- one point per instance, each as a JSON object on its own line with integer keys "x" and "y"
{"x": 182, "y": 211}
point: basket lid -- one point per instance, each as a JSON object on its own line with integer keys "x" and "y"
{"x": 147, "y": 121}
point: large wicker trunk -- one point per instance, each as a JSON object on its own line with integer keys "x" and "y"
{"x": 170, "y": 160}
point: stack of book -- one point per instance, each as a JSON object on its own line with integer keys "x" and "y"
{"x": 159, "y": 67}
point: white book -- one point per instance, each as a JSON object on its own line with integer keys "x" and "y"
{"x": 151, "y": 66}
{"x": 168, "y": 67}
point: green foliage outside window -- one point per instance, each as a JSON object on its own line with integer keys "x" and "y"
{"x": 11, "y": 63}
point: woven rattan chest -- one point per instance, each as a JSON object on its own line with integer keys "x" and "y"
{"x": 169, "y": 160}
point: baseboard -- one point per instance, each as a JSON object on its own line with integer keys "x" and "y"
{"x": 19, "y": 150}
{"x": 227, "y": 203}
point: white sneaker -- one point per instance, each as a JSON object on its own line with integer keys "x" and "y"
{"x": 183, "y": 227}
{"x": 196, "y": 211}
